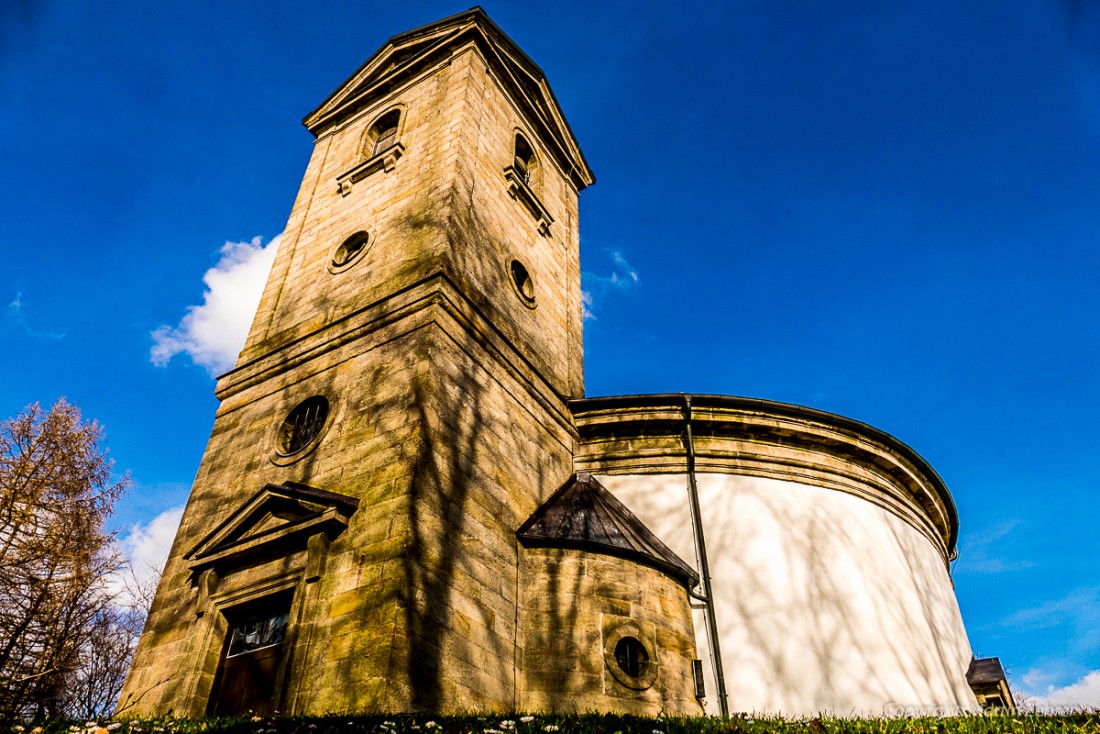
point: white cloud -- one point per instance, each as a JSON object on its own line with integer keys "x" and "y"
{"x": 985, "y": 551}
{"x": 213, "y": 333}
{"x": 1084, "y": 693}
{"x": 145, "y": 547}
{"x": 16, "y": 314}
{"x": 623, "y": 277}
{"x": 1080, "y": 608}
{"x": 586, "y": 305}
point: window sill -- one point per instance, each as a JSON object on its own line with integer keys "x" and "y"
{"x": 521, "y": 192}
{"x": 383, "y": 161}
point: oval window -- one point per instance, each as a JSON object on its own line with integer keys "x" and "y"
{"x": 524, "y": 284}
{"x": 302, "y": 425}
{"x": 632, "y": 657}
{"x": 350, "y": 250}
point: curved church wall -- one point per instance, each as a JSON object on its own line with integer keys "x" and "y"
{"x": 828, "y": 542}
{"x": 824, "y": 601}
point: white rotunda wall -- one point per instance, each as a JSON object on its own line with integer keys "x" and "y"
{"x": 824, "y": 601}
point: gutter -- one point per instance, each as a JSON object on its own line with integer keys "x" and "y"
{"x": 704, "y": 564}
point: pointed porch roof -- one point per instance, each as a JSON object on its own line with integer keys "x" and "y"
{"x": 582, "y": 514}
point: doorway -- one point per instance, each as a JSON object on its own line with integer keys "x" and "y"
{"x": 252, "y": 658}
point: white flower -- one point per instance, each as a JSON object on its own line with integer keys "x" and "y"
{"x": 526, "y": 719}
{"x": 507, "y": 724}
{"x": 550, "y": 727}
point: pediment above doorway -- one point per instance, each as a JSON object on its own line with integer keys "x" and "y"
{"x": 277, "y": 520}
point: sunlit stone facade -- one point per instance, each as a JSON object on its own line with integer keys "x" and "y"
{"x": 406, "y": 503}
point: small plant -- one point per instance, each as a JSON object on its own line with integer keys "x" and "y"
{"x": 1082, "y": 722}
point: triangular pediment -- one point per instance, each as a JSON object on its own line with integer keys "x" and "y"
{"x": 277, "y": 519}
{"x": 405, "y": 56}
{"x": 582, "y": 514}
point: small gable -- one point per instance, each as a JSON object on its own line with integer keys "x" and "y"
{"x": 278, "y": 519}
{"x": 582, "y": 514}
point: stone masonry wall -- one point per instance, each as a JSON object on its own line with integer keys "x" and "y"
{"x": 446, "y": 423}
{"x": 575, "y": 606}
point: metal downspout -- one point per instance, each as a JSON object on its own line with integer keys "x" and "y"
{"x": 704, "y": 565}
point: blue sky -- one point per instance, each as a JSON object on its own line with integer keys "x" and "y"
{"x": 885, "y": 210}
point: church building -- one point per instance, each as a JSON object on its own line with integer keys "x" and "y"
{"x": 407, "y": 502}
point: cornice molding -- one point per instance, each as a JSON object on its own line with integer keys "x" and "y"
{"x": 734, "y": 435}
{"x": 409, "y": 53}
{"x": 435, "y": 299}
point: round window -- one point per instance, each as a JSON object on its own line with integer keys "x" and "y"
{"x": 302, "y": 425}
{"x": 631, "y": 656}
{"x": 524, "y": 284}
{"x": 350, "y": 250}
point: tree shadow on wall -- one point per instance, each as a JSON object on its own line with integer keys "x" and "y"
{"x": 850, "y": 621}
{"x": 461, "y": 559}
{"x": 551, "y": 654}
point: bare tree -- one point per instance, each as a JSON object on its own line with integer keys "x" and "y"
{"x": 56, "y": 492}
{"x": 92, "y": 687}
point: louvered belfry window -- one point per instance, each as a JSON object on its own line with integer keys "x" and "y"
{"x": 385, "y": 131}
{"x": 525, "y": 158}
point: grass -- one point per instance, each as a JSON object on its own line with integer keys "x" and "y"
{"x": 574, "y": 724}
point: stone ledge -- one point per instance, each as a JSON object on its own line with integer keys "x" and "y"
{"x": 412, "y": 307}
{"x": 734, "y": 435}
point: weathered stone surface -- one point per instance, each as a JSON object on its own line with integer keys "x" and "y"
{"x": 573, "y": 603}
{"x": 446, "y": 416}
{"x": 455, "y": 409}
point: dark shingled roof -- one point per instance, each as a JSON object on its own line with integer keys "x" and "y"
{"x": 582, "y": 514}
{"x": 985, "y": 670}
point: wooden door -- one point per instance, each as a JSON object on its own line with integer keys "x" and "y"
{"x": 254, "y": 652}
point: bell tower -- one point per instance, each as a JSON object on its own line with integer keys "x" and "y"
{"x": 399, "y": 407}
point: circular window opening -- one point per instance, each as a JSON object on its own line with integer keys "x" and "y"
{"x": 302, "y": 425}
{"x": 350, "y": 249}
{"x": 631, "y": 656}
{"x": 525, "y": 286}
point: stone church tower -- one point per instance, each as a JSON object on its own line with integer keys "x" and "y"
{"x": 399, "y": 408}
{"x": 407, "y": 503}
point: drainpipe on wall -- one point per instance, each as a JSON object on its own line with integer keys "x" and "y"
{"x": 704, "y": 564}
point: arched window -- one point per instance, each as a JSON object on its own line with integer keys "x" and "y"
{"x": 379, "y": 149}
{"x": 525, "y": 163}
{"x": 522, "y": 175}
{"x": 384, "y": 132}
